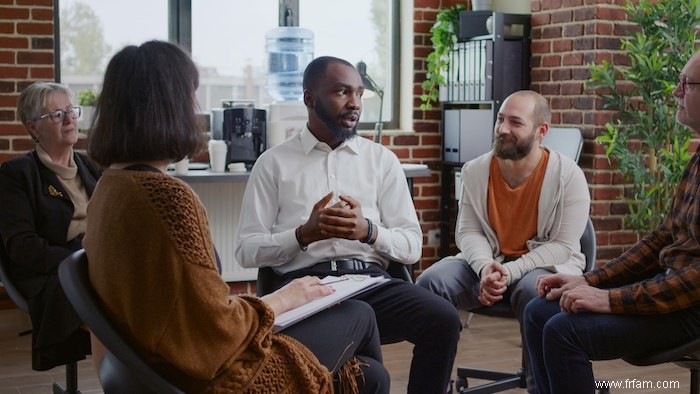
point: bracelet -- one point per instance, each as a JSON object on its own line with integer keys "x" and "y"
{"x": 297, "y": 233}
{"x": 370, "y": 232}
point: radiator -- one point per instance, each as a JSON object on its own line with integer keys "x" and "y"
{"x": 223, "y": 202}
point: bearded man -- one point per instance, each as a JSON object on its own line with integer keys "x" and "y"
{"x": 326, "y": 202}
{"x": 521, "y": 215}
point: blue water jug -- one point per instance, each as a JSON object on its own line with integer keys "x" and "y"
{"x": 290, "y": 49}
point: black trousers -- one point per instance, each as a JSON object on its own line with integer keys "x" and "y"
{"x": 348, "y": 329}
{"x": 408, "y": 312}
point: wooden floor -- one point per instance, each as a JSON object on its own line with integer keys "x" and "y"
{"x": 490, "y": 343}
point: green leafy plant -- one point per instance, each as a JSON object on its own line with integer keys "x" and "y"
{"x": 87, "y": 98}
{"x": 444, "y": 36}
{"x": 644, "y": 141}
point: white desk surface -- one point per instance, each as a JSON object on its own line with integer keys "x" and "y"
{"x": 208, "y": 176}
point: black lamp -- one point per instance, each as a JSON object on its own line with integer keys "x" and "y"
{"x": 372, "y": 86}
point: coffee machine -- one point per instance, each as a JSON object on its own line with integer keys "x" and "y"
{"x": 245, "y": 131}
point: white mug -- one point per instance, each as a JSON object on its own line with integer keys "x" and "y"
{"x": 217, "y": 155}
{"x": 182, "y": 166}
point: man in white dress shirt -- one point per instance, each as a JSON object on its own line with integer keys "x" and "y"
{"x": 327, "y": 202}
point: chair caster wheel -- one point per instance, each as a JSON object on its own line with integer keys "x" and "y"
{"x": 461, "y": 384}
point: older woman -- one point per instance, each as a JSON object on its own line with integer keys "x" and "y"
{"x": 44, "y": 195}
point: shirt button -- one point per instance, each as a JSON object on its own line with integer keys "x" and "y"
{"x": 336, "y": 243}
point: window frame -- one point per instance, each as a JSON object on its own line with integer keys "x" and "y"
{"x": 180, "y": 32}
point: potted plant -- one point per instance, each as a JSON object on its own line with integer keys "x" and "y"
{"x": 644, "y": 141}
{"x": 444, "y": 36}
{"x": 87, "y": 99}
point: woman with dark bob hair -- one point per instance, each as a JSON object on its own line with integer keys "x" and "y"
{"x": 152, "y": 259}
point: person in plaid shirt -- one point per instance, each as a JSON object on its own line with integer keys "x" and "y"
{"x": 644, "y": 301}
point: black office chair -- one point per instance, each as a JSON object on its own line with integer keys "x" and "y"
{"x": 501, "y": 381}
{"x": 686, "y": 356}
{"x": 122, "y": 370}
{"x": 21, "y": 302}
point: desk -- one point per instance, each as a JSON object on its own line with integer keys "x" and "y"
{"x": 222, "y": 196}
{"x": 207, "y": 176}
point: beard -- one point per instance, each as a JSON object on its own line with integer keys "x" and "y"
{"x": 507, "y": 147}
{"x": 331, "y": 123}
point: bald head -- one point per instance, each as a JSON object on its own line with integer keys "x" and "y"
{"x": 540, "y": 110}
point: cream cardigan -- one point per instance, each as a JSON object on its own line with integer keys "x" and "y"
{"x": 563, "y": 212}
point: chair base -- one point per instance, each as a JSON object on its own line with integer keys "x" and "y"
{"x": 500, "y": 381}
{"x": 71, "y": 381}
{"x": 58, "y": 389}
{"x": 694, "y": 382}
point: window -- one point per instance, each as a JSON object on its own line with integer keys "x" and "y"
{"x": 227, "y": 41}
{"x": 91, "y": 32}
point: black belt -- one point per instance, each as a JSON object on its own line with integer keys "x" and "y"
{"x": 343, "y": 264}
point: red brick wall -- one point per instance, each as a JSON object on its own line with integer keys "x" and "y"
{"x": 566, "y": 36}
{"x": 26, "y": 55}
{"x": 427, "y": 126}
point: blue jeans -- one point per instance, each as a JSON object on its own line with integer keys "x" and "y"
{"x": 455, "y": 280}
{"x": 561, "y": 345}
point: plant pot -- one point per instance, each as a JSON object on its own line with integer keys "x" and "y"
{"x": 85, "y": 120}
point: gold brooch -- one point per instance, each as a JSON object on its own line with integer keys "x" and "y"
{"x": 53, "y": 192}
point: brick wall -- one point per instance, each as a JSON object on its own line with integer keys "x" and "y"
{"x": 567, "y": 34}
{"x": 26, "y": 55}
{"x": 427, "y": 126}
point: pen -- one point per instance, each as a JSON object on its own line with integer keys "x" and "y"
{"x": 340, "y": 279}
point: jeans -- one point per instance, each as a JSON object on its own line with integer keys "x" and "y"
{"x": 454, "y": 280}
{"x": 561, "y": 345}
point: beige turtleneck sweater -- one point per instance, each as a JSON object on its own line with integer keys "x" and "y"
{"x": 74, "y": 186}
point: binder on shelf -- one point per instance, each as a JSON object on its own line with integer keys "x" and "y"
{"x": 470, "y": 73}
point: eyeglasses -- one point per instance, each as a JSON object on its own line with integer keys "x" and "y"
{"x": 683, "y": 84}
{"x": 60, "y": 115}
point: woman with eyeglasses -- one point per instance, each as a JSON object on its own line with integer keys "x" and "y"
{"x": 44, "y": 195}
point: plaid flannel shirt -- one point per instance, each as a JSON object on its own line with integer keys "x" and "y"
{"x": 661, "y": 273}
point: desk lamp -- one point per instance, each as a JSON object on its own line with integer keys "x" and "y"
{"x": 372, "y": 86}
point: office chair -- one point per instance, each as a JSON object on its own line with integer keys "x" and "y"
{"x": 18, "y": 298}
{"x": 565, "y": 140}
{"x": 501, "y": 381}
{"x": 122, "y": 369}
{"x": 686, "y": 356}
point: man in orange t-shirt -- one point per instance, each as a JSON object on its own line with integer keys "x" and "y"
{"x": 522, "y": 212}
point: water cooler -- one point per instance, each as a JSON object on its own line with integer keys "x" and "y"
{"x": 290, "y": 49}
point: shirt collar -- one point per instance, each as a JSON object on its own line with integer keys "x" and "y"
{"x": 310, "y": 142}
